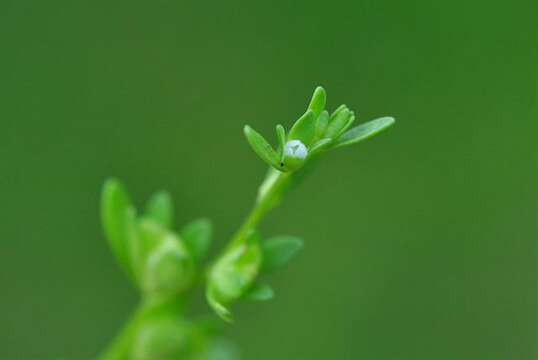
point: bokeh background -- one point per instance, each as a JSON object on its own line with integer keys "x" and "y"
{"x": 420, "y": 243}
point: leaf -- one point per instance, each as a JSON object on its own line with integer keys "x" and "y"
{"x": 115, "y": 205}
{"x": 151, "y": 235}
{"x": 304, "y": 128}
{"x": 278, "y": 250}
{"x": 133, "y": 244}
{"x": 220, "y": 309}
{"x": 261, "y": 147}
{"x": 350, "y": 121}
{"x": 364, "y": 131}
{"x": 260, "y": 292}
{"x": 320, "y": 145}
{"x": 281, "y": 135}
{"x": 321, "y": 124}
{"x": 161, "y": 209}
{"x": 169, "y": 268}
{"x": 317, "y": 104}
{"x": 340, "y": 118}
{"x": 197, "y": 236}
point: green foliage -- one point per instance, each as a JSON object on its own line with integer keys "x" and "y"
{"x": 312, "y": 134}
{"x": 260, "y": 292}
{"x": 319, "y": 98}
{"x": 169, "y": 268}
{"x": 278, "y": 250}
{"x": 115, "y": 208}
{"x": 364, "y": 131}
{"x": 166, "y": 265}
{"x": 160, "y": 209}
{"x": 197, "y": 235}
{"x": 233, "y": 274}
{"x": 304, "y": 128}
{"x": 261, "y": 147}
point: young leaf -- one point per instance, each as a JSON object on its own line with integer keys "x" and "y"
{"x": 133, "y": 246}
{"x": 337, "y": 111}
{"x": 260, "y": 292}
{"x": 364, "y": 131}
{"x": 233, "y": 273}
{"x": 321, "y": 124}
{"x": 220, "y": 309}
{"x": 281, "y": 135}
{"x": 161, "y": 209}
{"x": 197, "y": 236}
{"x": 320, "y": 145}
{"x": 304, "y": 128}
{"x": 151, "y": 235}
{"x": 169, "y": 268}
{"x": 350, "y": 121}
{"x": 114, "y": 209}
{"x": 278, "y": 250}
{"x": 261, "y": 147}
{"x": 338, "y": 121}
{"x": 317, "y": 104}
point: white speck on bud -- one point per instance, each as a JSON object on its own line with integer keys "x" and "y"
{"x": 295, "y": 149}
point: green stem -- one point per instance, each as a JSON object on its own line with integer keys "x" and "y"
{"x": 154, "y": 307}
{"x": 269, "y": 195}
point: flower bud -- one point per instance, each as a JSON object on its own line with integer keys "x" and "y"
{"x": 169, "y": 268}
{"x": 233, "y": 275}
{"x": 295, "y": 153}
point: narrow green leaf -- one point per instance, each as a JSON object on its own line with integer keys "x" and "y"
{"x": 261, "y": 147}
{"x": 161, "y": 209}
{"x": 364, "y": 131}
{"x": 219, "y": 309}
{"x": 321, "y": 124}
{"x": 350, "y": 122}
{"x": 320, "y": 145}
{"x": 260, "y": 292}
{"x": 115, "y": 205}
{"x": 319, "y": 98}
{"x": 197, "y": 236}
{"x": 133, "y": 245}
{"x": 281, "y": 135}
{"x": 337, "y": 111}
{"x": 304, "y": 128}
{"x": 338, "y": 121}
{"x": 278, "y": 250}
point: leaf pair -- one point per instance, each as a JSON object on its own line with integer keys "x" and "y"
{"x": 234, "y": 275}
{"x": 153, "y": 256}
{"x": 277, "y": 252}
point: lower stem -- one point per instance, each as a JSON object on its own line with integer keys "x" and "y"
{"x": 120, "y": 347}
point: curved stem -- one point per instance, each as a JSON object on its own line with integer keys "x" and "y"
{"x": 269, "y": 195}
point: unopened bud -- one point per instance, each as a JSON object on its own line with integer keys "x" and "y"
{"x": 169, "y": 268}
{"x": 295, "y": 153}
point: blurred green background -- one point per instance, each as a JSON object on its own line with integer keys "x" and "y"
{"x": 420, "y": 243}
